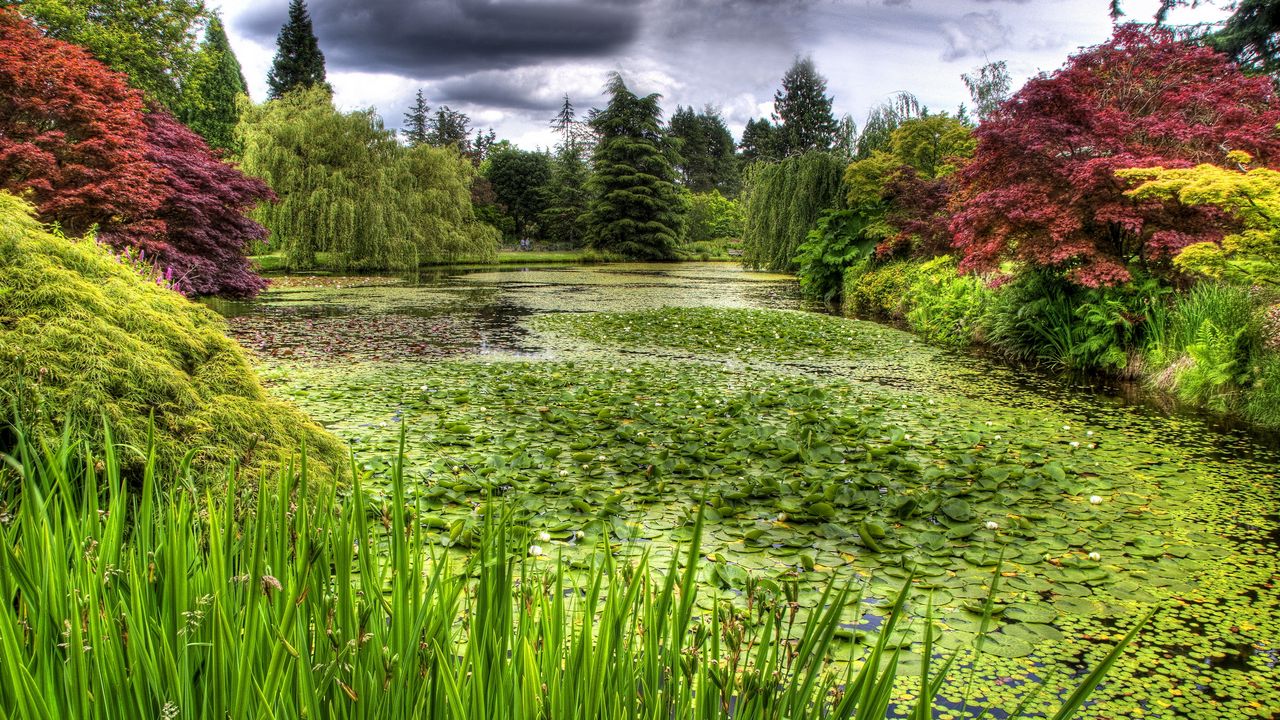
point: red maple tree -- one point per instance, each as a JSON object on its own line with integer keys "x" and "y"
{"x": 1042, "y": 186}
{"x": 205, "y": 213}
{"x": 72, "y": 137}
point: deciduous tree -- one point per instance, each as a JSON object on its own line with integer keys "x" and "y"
{"x": 154, "y": 42}
{"x": 72, "y": 138}
{"x": 1042, "y": 187}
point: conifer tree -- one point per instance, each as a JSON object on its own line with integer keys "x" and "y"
{"x": 567, "y": 198}
{"x": 636, "y": 210}
{"x": 802, "y": 110}
{"x": 298, "y": 61}
{"x": 212, "y": 93}
{"x": 705, "y": 147}
{"x": 416, "y": 121}
{"x": 759, "y": 141}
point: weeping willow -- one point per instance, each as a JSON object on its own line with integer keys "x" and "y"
{"x": 783, "y": 201}
{"x": 350, "y": 196}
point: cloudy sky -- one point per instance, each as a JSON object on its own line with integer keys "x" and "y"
{"x": 508, "y": 63}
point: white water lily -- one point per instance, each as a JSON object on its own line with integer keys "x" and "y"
{"x": 1095, "y": 556}
{"x": 1088, "y": 433}
{"x": 1075, "y": 444}
{"x": 456, "y": 468}
{"x": 602, "y": 458}
{"x": 1095, "y": 499}
{"x": 535, "y": 550}
{"x": 993, "y": 525}
{"x": 579, "y": 534}
{"x": 564, "y": 473}
{"x": 1066, "y": 427}
{"x": 997, "y": 437}
{"x": 425, "y": 388}
{"x": 544, "y": 536}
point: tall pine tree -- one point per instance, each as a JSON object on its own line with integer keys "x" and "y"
{"x": 636, "y": 210}
{"x": 212, "y": 92}
{"x": 705, "y": 146}
{"x": 417, "y": 121}
{"x": 759, "y": 142}
{"x": 298, "y": 61}
{"x": 802, "y": 110}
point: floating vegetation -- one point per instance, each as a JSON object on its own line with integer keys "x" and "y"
{"x": 900, "y": 461}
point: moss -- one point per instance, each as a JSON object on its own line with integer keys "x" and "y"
{"x": 84, "y": 339}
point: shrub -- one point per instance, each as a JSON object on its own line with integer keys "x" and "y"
{"x": 84, "y": 339}
{"x": 838, "y": 241}
{"x": 1213, "y": 347}
{"x": 947, "y": 308}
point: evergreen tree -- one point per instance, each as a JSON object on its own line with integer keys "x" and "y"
{"x": 802, "y": 110}
{"x": 759, "y": 142}
{"x": 565, "y": 122}
{"x": 415, "y": 122}
{"x": 705, "y": 147}
{"x": 567, "y": 198}
{"x": 449, "y": 128}
{"x": 213, "y": 90}
{"x": 636, "y": 209}
{"x": 298, "y": 61}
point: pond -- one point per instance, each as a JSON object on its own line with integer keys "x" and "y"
{"x": 606, "y": 403}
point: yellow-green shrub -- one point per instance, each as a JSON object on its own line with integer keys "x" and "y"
{"x": 85, "y": 339}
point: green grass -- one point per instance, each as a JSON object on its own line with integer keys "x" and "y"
{"x": 119, "y": 604}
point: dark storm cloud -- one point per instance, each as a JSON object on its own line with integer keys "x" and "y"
{"x": 441, "y": 38}
{"x": 497, "y": 90}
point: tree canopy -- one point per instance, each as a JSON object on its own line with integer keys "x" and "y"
{"x": 1042, "y": 187}
{"x": 705, "y": 146}
{"x": 519, "y": 179}
{"x": 782, "y": 202}
{"x": 348, "y": 190}
{"x": 298, "y": 63}
{"x": 635, "y": 211}
{"x": 154, "y": 43}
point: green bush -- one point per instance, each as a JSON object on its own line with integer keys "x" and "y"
{"x": 947, "y": 308}
{"x": 878, "y": 291}
{"x": 1043, "y": 319}
{"x": 837, "y": 241}
{"x": 84, "y": 339}
{"x": 1213, "y": 347}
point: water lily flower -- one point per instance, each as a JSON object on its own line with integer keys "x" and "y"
{"x": 564, "y": 473}
{"x": 993, "y": 525}
{"x": 1095, "y": 499}
{"x": 997, "y": 437}
{"x": 544, "y": 536}
{"x": 579, "y": 534}
{"x": 602, "y": 458}
{"x": 1095, "y": 556}
{"x": 457, "y": 469}
{"x": 1066, "y": 427}
{"x": 1075, "y": 444}
{"x": 535, "y": 550}
{"x": 1088, "y": 433}
{"x": 425, "y": 388}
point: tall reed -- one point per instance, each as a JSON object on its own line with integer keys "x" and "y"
{"x": 123, "y": 600}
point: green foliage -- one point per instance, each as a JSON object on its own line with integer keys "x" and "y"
{"x": 931, "y": 298}
{"x": 759, "y": 141}
{"x": 211, "y": 95}
{"x": 349, "y": 190}
{"x": 1251, "y": 196}
{"x": 416, "y": 121}
{"x": 519, "y": 179}
{"x": 877, "y": 131}
{"x": 933, "y": 144}
{"x": 988, "y": 87}
{"x": 837, "y": 241}
{"x": 802, "y": 111}
{"x": 705, "y": 147}
{"x": 1041, "y": 318}
{"x": 783, "y": 202}
{"x": 711, "y": 216}
{"x": 1213, "y": 349}
{"x": 299, "y": 63}
{"x": 567, "y": 198}
{"x": 154, "y": 43}
{"x": 85, "y": 340}
{"x": 635, "y": 208}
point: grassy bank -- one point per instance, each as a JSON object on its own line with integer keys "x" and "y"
{"x": 118, "y": 604}
{"x": 1215, "y": 346}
